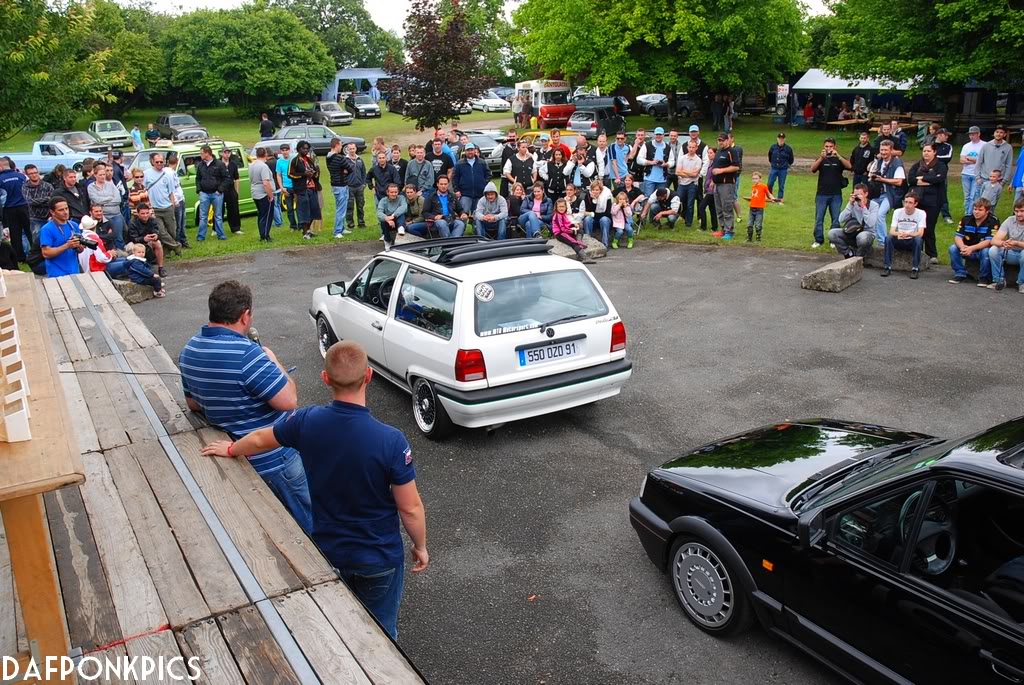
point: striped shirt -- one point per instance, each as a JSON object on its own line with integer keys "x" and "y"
{"x": 232, "y": 379}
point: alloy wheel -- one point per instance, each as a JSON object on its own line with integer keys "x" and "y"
{"x": 703, "y": 585}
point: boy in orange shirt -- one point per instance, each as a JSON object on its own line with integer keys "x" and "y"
{"x": 759, "y": 195}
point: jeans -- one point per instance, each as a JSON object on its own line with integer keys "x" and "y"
{"x": 882, "y": 227}
{"x": 457, "y": 228}
{"x": 117, "y": 223}
{"x": 834, "y": 204}
{"x": 417, "y": 228}
{"x": 656, "y": 208}
{"x": 288, "y": 204}
{"x": 649, "y": 187}
{"x": 379, "y": 588}
{"x": 289, "y": 485}
{"x": 848, "y": 245}
{"x": 483, "y": 226}
{"x": 605, "y": 224}
{"x": 179, "y": 223}
{"x": 218, "y": 215}
{"x": 531, "y": 223}
{"x": 755, "y": 222}
{"x": 956, "y": 260}
{"x": 970, "y": 185}
{"x": 340, "y": 208}
{"x": 893, "y": 243}
{"x": 356, "y": 206}
{"x": 780, "y": 174}
{"x": 32, "y": 237}
{"x": 385, "y": 229}
{"x": 725, "y": 201}
{"x": 264, "y": 216}
{"x": 687, "y": 201}
{"x": 627, "y": 229}
{"x": 706, "y": 207}
{"x": 468, "y": 204}
{"x": 997, "y": 255}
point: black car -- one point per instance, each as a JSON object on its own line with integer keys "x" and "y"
{"x": 319, "y": 137}
{"x": 289, "y": 114}
{"x": 658, "y": 108}
{"x": 362, "y": 106}
{"x": 618, "y": 103}
{"x": 891, "y": 556}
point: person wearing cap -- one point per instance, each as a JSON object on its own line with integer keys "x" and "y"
{"x": 469, "y": 179}
{"x": 780, "y": 159}
{"x": 706, "y": 154}
{"x": 944, "y": 153}
{"x": 654, "y": 156}
{"x": 969, "y": 178}
{"x": 724, "y": 170}
{"x": 231, "y": 193}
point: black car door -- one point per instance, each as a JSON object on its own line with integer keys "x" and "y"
{"x": 859, "y": 596}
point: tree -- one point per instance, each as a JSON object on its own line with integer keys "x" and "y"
{"x": 251, "y": 56}
{"x": 445, "y": 65}
{"x": 820, "y": 42}
{"x": 703, "y": 47}
{"x": 486, "y": 18}
{"x": 48, "y": 75}
{"x": 941, "y": 45}
{"x": 348, "y": 31}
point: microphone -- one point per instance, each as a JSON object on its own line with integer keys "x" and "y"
{"x": 254, "y": 335}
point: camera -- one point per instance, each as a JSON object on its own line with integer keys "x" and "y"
{"x": 87, "y": 242}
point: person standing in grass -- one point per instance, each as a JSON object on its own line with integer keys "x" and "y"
{"x": 929, "y": 176}
{"x": 305, "y": 174}
{"x": 261, "y": 182}
{"x": 356, "y": 188}
{"x": 137, "y": 139}
{"x": 231, "y": 194}
{"x": 284, "y": 182}
{"x": 724, "y": 171}
{"x": 780, "y": 158}
{"x": 339, "y": 168}
{"x": 829, "y": 166}
{"x": 759, "y": 196}
{"x": 969, "y": 178}
{"x": 861, "y": 158}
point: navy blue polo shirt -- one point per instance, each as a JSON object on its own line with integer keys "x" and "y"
{"x": 351, "y": 462}
{"x": 232, "y": 379}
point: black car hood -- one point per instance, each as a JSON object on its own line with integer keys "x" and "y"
{"x": 772, "y": 464}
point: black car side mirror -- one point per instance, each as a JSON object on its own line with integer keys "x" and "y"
{"x": 811, "y": 528}
{"x": 336, "y": 288}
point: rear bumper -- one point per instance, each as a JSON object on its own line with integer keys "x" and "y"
{"x": 492, "y": 406}
{"x": 654, "y": 533}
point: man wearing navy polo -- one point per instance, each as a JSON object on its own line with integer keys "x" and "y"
{"x": 242, "y": 387}
{"x": 362, "y": 481}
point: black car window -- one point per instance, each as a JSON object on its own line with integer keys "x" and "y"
{"x": 881, "y": 528}
{"x": 374, "y": 285}
{"x": 427, "y": 302}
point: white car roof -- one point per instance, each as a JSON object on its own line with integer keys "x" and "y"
{"x": 491, "y": 269}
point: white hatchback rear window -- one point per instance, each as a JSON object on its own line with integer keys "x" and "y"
{"x": 532, "y": 300}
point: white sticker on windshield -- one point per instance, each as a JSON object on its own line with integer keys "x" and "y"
{"x": 484, "y": 292}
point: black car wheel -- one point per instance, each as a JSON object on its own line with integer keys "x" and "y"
{"x": 684, "y": 112}
{"x": 707, "y": 589}
{"x": 431, "y": 417}
{"x": 324, "y": 335}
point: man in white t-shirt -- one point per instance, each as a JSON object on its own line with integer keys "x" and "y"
{"x": 1007, "y": 247}
{"x": 906, "y": 233}
{"x": 969, "y": 172}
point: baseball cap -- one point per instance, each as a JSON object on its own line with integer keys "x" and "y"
{"x": 117, "y": 154}
{"x": 694, "y": 128}
{"x": 723, "y": 136}
{"x": 782, "y": 134}
{"x": 659, "y": 131}
{"x": 942, "y": 130}
{"x": 974, "y": 129}
{"x": 470, "y": 146}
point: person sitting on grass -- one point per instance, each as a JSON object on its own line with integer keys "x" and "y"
{"x": 415, "y": 220}
{"x": 971, "y": 242}
{"x": 664, "y": 205}
{"x": 565, "y": 231}
{"x": 856, "y": 232}
{"x": 1008, "y": 246}
{"x": 135, "y": 269}
{"x": 906, "y": 233}
{"x": 535, "y": 211}
{"x": 622, "y": 215}
{"x": 759, "y": 196}
{"x": 391, "y": 213}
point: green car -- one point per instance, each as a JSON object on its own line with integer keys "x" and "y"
{"x": 188, "y": 157}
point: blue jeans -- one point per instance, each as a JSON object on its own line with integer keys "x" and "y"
{"x": 780, "y": 174}
{"x": 649, "y": 187}
{"x": 385, "y": 230}
{"x": 834, "y": 204}
{"x": 179, "y": 221}
{"x": 117, "y": 223}
{"x": 997, "y": 256}
{"x": 605, "y": 223}
{"x": 218, "y": 215}
{"x": 340, "y": 208}
{"x": 956, "y": 260}
{"x": 418, "y": 228}
{"x": 687, "y": 201}
{"x": 882, "y": 227}
{"x": 500, "y": 226}
{"x": 468, "y": 204}
{"x": 970, "y": 185}
{"x": 32, "y": 237}
{"x": 628, "y": 230}
{"x": 264, "y": 216}
{"x": 289, "y": 485}
{"x": 892, "y": 243}
{"x": 379, "y": 588}
{"x": 656, "y": 207}
{"x": 457, "y": 228}
{"x": 531, "y": 222}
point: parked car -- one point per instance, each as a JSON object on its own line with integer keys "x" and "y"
{"x": 188, "y": 158}
{"x": 362, "y": 106}
{"x": 593, "y": 122}
{"x": 891, "y": 556}
{"x": 618, "y": 103}
{"x": 330, "y": 114}
{"x": 648, "y": 98}
{"x": 177, "y": 126}
{"x": 685, "y": 105}
{"x": 319, "y": 137}
{"x": 486, "y": 145}
{"x": 479, "y": 332}
{"x": 289, "y": 114}
{"x": 396, "y": 103}
{"x": 48, "y": 154}
{"x": 504, "y": 92}
{"x": 79, "y": 141}
{"x": 112, "y": 132}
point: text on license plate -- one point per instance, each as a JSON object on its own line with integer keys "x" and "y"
{"x": 553, "y": 352}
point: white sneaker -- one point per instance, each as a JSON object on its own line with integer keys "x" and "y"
{"x": 381, "y": 238}
{"x": 339, "y": 236}
{"x": 401, "y": 230}
{"x": 815, "y": 245}
{"x": 933, "y": 260}
{"x": 949, "y": 220}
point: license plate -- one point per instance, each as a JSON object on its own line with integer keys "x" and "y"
{"x": 551, "y": 353}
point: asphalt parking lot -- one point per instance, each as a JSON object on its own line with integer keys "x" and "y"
{"x": 536, "y": 575}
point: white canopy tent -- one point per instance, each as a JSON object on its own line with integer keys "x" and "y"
{"x": 357, "y": 74}
{"x": 818, "y": 81}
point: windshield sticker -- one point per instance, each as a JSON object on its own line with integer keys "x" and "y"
{"x": 484, "y": 292}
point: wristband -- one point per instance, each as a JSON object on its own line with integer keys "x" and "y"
{"x": 231, "y": 446}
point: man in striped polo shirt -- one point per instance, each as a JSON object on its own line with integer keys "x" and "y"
{"x": 241, "y": 387}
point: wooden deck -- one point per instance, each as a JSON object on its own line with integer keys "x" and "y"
{"x": 164, "y": 552}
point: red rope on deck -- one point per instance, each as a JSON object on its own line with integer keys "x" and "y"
{"x": 118, "y": 643}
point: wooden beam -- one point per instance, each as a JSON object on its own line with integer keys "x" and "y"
{"x": 320, "y": 642}
{"x": 168, "y": 410}
{"x": 8, "y": 620}
{"x": 118, "y": 331}
{"x": 257, "y": 653}
{"x": 71, "y": 294}
{"x": 204, "y": 641}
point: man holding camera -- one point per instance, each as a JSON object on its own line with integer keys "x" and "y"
{"x": 829, "y": 166}
{"x": 60, "y": 240}
{"x": 856, "y": 232}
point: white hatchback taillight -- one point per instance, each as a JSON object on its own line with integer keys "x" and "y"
{"x": 618, "y": 337}
{"x": 470, "y": 366}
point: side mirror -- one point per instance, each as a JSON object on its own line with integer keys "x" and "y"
{"x": 811, "y": 528}
{"x": 336, "y": 289}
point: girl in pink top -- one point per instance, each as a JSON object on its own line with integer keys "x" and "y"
{"x": 564, "y": 231}
{"x": 621, "y": 220}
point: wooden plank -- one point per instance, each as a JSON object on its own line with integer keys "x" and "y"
{"x": 171, "y": 414}
{"x": 258, "y": 655}
{"x": 96, "y": 295}
{"x": 118, "y": 331}
{"x": 178, "y": 592}
{"x": 35, "y": 575}
{"x": 106, "y": 287}
{"x": 135, "y": 597}
{"x": 54, "y": 295}
{"x": 204, "y": 641}
{"x": 20, "y": 620}
{"x": 374, "y": 650}
{"x": 171, "y": 376}
{"x": 134, "y": 324}
{"x": 262, "y": 556}
{"x": 321, "y": 644}
{"x": 57, "y": 346}
{"x": 8, "y": 621}
{"x": 88, "y": 606}
{"x": 81, "y": 421}
{"x": 205, "y": 559}
{"x": 91, "y": 334}
{"x": 116, "y": 412}
{"x": 160, "y": 646}
{"x": 71, "y": 294}
{"x": 110, "y": 676}
{"x": 73, "y": 341}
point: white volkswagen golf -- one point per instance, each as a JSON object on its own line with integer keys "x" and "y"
{"x": 479, "y": 332}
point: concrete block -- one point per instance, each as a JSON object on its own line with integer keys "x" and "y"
{"x": 133, "y": 293}
{"x": 406, "y": 239}
{"x": 834, "y": 277}
{"x": 595, "y": 249}
{"x": 902, "y": 260}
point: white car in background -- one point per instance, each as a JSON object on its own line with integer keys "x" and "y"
{"x": 491, "y": 102}
{"x": 479, "y": 332}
